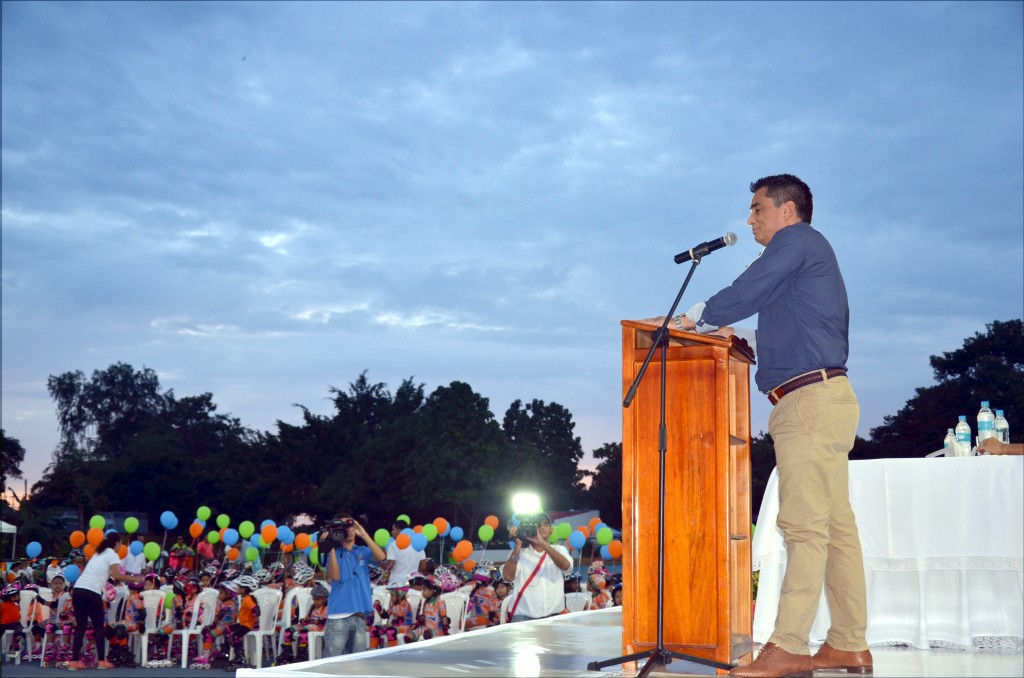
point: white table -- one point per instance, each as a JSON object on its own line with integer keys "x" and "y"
{"x": 943, "y": 543}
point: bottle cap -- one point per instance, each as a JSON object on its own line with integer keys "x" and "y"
{"x": 999, "y": 413}
{"x": 963, "y": 417}
{"x": 984, "y": 403}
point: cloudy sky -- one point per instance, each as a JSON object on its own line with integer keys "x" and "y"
{"x": 262, "y": 200}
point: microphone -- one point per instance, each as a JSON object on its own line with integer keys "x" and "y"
{"x": 706, "y": 248}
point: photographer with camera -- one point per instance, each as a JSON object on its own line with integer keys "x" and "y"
{"x": 537, "y": 571}
{"x": 348, "y": 570}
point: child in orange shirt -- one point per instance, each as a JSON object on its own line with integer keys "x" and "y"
{"x": 10, "y": 617}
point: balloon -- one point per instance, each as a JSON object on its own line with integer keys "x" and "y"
{"x": 94, "y": 536}
{"x": 408, "y": 531}
{"x": 195, "y": 529}
{"x": 136, "y": 548}
{"x": 564, "y": 530}
{"x": 405, "y": 518}
{"x": 492, "y": 522}
{"x": 212, "y": 537}
{"x": 269, "y": 533}
{"x": 469, "y": 565}
{"x": 314, "y": 555}
{"x": 203, "y": 513}
{"x": 577, "y": 540}
{"x": 246, "y": 528}
{"x": 285, "y": 535}
{"x": 287, "y": 548}
{"x": 462, "y": 550}
{"x": 597, "y": 528}
{"x": 456, "y": 534}
{"x": 98, "y": 522}
{"x": 200, "y": 521}
{"x": 223, "y": 520}
{"x": 230, "y": 536}
{"x": 232, "y": 554}
{"x": 33, "y": 549}
{"x": 77, "y": 538}
{"x": 605, "y": 536}
{"x": 169, "y": 602}
{"x": 615, "y": 548}
{"x": 403, "y": 541}
{"x": 88, "y": 551}
{"x": 584, "y": 530}
{"x": 152, "y": 551}
{"x": 441, "y": 525}
{"x": 486, "y": 532}
{"x": 261, "y": 542}
{"x": 71, "y": 573}
{"x": 593, "y": 522}
{"x": 122, "y": 551}
{"x": 266, "y": 522}
{"x": 419, "y": 542}
{"x": 417, "y": 529}
{"x": 131, "y": 523}
{"x": 605, "y": 553}
{"x": 302, "y": 540}
{"x": 429, "y": 531}
{"x": 381, "y": 536}
{"x": 553, "y": 537}
{"x": 251, "y": 554}
{"x": 168, "y": 520}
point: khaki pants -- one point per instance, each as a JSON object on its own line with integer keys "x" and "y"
{"x": 814, "y": 428}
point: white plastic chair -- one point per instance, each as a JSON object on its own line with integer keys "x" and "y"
{"x": 206, "y": 603}
{"x": 24, "y": 604}
{"x": 456, "y": 603}
{"x": 58, "y": 631}
{"x": 384, "y": 598}
{"x": 303, "y": 599}
{"x": 578, "y": 602}
{"x": 467, "y": 589}
{"x": 268, "y": 600}
{"x": 115, "y": 611}
{"x": 505, "y": 604}
{"x": 153, "y": 603}
{"x": 316, "y": 638}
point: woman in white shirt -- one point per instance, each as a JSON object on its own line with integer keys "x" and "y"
{"x": 87, "y": 597}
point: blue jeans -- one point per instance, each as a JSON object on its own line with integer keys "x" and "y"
{"x": 345, "y": 636}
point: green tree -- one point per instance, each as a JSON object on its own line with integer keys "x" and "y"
{"x": 548, "y": 429}
{"x": 13, "y": 455}
{"x": 605, "y": 492}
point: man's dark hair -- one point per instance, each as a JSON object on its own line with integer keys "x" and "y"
{"x": 400, "y": 523}
{"x": 782, "y": 188}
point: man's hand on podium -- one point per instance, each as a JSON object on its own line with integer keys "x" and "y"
{"x": 687, "y": 325}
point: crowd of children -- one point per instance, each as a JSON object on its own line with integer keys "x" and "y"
{"x": 400, "y": 617}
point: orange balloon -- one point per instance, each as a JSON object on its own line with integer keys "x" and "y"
{"x": 585, "y": 530}
{"x": 615, "y": 548}
{"x": 232, "y": 553}
{"x": 492, "y": 521}
{"x": 441, "y": 524}
{"x": 470, "y": 565}
{"x": 594, "y": 522}
{"x": 11, "y": 577}
{"x": 403, "y": 540}
{"x": 287, "y": 548}
{"x": 94, "y": 537}
{"x": 462, "y": 550}
{"x": 88, "y": 551}
{"x": 195, "y": 529}
{"x": 301, "y": 540}
{"x": 77, "y": 539}
{"x": 122, "y": 552}
{"x": 417, "y": 529}
{"x": 269, "y": 533}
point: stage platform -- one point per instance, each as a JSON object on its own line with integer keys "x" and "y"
{"x": 563, "y": 646}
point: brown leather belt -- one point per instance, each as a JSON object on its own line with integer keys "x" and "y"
{"x": 776, "y": 394}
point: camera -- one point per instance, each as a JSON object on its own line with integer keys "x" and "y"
{"x": 527, "y": 529}
{"x": 338, "y": 529}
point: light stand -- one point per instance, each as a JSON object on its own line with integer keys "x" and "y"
{"x": 659, "y": 655}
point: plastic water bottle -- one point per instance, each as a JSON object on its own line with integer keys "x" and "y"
{"x": 986, "y": 422}
{"x": 1002, "y": 428}
{"x": 948, "y": 442}
{"x": 963, "y": 437}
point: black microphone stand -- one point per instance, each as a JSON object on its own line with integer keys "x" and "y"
{"x": 659, "y": 655}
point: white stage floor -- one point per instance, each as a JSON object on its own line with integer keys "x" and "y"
{"x": 563, "y": 646}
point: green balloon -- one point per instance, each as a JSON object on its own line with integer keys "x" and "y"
{"x": 405, "y": 518}
{"x": 605, "y": 536}
{"x": 251, "y": 554}
{"x": 246, "y": 528}
{"x": 203, "y": 513}
{"x": 213, "y": 536}
{"x": 223, "y": 520}
{"x": 429, "y": 531}
{"x": 486, "y": 533}
{"x": 151, "y": 551}
{"x": 382, "y": 537}
{"x": 98, "y": 522}
{"x": 169, "y": 602}
{"x": 314, "y": 555}
{"x": 553, "y": 539}
{"x": 131, "y": 523}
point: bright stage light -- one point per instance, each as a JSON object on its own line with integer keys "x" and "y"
{"x": 525, "y": 503}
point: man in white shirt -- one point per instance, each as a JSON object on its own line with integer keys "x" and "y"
{"x": 401, "y": 562}
{"x": 132, "y": 563}
{"x": 538, "y": 572}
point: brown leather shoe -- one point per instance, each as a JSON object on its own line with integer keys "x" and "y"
{"x": 774, "y": 662}
{"x": 830, "y": 659}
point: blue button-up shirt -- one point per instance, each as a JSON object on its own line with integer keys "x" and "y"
{"x": 798, "y": 292}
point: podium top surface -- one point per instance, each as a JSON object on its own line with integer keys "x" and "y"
{"x": 738, "y": 348}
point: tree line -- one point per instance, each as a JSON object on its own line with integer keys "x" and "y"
{"x": 126, "y": 444}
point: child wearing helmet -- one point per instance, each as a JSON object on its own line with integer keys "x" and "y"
{"x": 433, "y": 618}
{"x": 483, "y": 601}
{"x": 10, "y": 617}
{"x": 224, "y": 616}
{"x": 597, "y": 584}
{"x": 299, "y": 632}
{"x": 395, "y": 621}
{"x": 248, "y": 618}
{"x": 62, "y": 620}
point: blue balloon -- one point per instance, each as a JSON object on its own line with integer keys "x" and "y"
{"x": 33, "y": 549}
{"x": 408, "y": 531}
{"x": 457, "y": 533}
{"x": 605, "y": 553}
{"x": 200, "y": 521}
{"x": 168, "y": 520}
{"x": 230, "y": 536}
{"x": 136, "y": 548}
{"x": 447, "y": 531}
{"x": 71, "y": 573}
{"x": 577, "y": 539}
{"x": 516, "y": 522}
{"x": 266, "y": 522}
{"x": 419, "y": 542}
{"x": 286, "y": 538}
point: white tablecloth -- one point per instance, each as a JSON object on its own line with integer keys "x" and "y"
{"x": 943, "y": 544}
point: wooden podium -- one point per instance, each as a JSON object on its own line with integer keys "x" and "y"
{"x": 707, "y": 591}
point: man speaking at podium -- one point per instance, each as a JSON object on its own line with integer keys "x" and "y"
{"x": 798, "y": 292}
